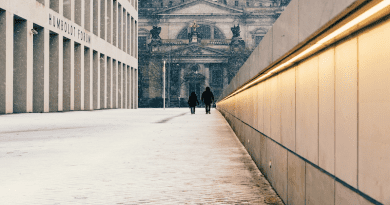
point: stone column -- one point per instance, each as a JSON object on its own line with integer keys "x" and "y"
{"x": 183, "y": 93}
{"x": 6, "y": 61}
{"x": 207, "y": 75}
{"x": 131, "y": 87}
{"x": 46, "y": 70}
{"x": 225, "y": 77}
{"x": 212, "y": 31}
{"x": 60, "y": 72}
{"x": 82, "y": 89}
{"x": 122, "y": 101}
{"x": 72, "y": 67}
{"x": 120, "y": 85}
{"x": 30, "y": 69}
{"x": 136, "y": 89}
{"x": 125, "y": 86}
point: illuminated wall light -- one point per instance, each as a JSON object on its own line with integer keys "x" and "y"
{"x": 383, "y": 4}
{"x": 357, "y": 20}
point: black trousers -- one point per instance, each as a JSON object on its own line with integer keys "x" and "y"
{"x": 192, "y": 110}
{"x": 208, "y": 108}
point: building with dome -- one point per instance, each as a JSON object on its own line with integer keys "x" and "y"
{"x": 202, "y": 42}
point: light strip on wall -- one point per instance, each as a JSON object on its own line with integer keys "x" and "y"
{"x": 383, "y": 4}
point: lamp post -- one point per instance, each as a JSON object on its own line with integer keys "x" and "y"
{"x": 164, "y": 86}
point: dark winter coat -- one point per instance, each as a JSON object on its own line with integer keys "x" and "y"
{"x": 193, "y": 101}
{"x": 207, "y": 97}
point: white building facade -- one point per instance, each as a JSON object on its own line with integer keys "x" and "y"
{"x": 62, "y": 55}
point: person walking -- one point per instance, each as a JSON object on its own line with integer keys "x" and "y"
{"x": 192, "y": 102}
{"x": 207, "y": 98}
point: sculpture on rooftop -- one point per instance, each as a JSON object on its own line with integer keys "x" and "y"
{"x": 194, "y": 26}
{"x": 156, "y": 32}
{"x": 236, "y": 31}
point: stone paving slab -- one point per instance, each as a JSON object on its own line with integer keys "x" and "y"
{"x": 144, "y": 156}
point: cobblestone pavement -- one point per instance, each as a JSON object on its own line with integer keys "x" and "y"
{"x": 144, "y": 156}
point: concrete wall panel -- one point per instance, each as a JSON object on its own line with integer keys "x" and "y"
{"x": 255, "y": 107}
{"x": 374, "y": 113}
{"x": 267, "y": 108}
{"x": 344, "y": 196}
{"x": 319, "y": 187}
{"x": 275, "y": 108}
{"x": 251, "y": 108}
{"x": 287, "y": 89}
{"x": 277, "y": 158}
{"x": 264, "y": 168}
{"x": 307, "y": 110}
{"x": 310, "y": 21}
{"x": 326, "y": 106}
{"x": 256, "y": 148}
{"x": 346, "y": 111}
{"x": 260, "y": 107}
{"x": 285, "y": 30}
{"x": 296, "y": 180}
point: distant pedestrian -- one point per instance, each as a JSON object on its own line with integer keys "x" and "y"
{"x": 192, "y": 102}
{"x": 207, "y": 98}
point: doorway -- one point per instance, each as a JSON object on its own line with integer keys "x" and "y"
{"x": 194, "y": 87}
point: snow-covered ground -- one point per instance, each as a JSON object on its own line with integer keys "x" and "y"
{"x": 143, "y": 156}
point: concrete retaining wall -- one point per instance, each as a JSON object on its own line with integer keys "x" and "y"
{"x": 318, "y": 130}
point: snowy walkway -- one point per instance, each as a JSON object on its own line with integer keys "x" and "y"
{"x": 144, "y": 156}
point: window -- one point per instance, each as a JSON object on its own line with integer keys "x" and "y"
{"x": 170, "y": 3}
{"x": 205, "y": 32}
{"x": 142, "y": 42}
{"x": 216, "y": 77}
{"x": 258, "y": 39}
{"x": 236, "y": 3}
{"x": 247, "y": 3}
{"x": 218, "y": 34}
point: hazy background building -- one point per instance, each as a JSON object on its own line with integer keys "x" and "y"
{"x": 203, "y": 42}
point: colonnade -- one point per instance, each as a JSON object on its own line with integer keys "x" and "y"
{"x": 62, "y": 56}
